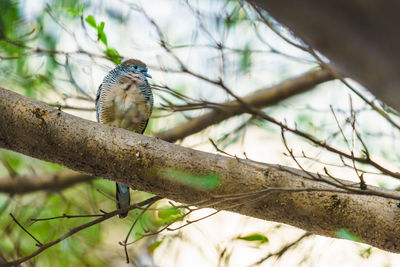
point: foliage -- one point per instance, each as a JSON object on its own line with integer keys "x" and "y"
{"x": 343, "y": 233}
{"x": 101, "y": 36}
{"x": 206, "y": 182}
{"x": 257, "y": 238}
{"x": 57, "y": 55}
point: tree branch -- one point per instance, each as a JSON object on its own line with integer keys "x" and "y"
{"x": 260, "y": 99}
{"x": 265, "y": 191}
{"x": 360, "y": 37}
{"x": 106, "y": 216}
{"x": 54, "y": 182}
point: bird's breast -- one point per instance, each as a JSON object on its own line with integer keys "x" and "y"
{"x": 126, "y": 104}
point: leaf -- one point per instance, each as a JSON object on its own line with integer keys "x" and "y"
{"x": 101, "y": 35}
{"x": 245, "y": 60}
{"x": 154, "y": 246}
{"x": 206, "y": 181}
{"x": 13, "y": 161}
{"x": 72, "y": 11}
{"x": 166, "y": 215}
{"x": 232, "y": 19}
{"x": 366, "y": 253}
{"x": 91, "y": 21}
{"x": 100, "y": 28}
{"x": 113, "y": 55}
{"x": 103, "y": 39}
{"x": 383, "y": 185}
{"x": 170, "y": 213}
{"x": 160, "y": 216}
{"x": 345, "y": 234}
{"x": 255, "y": 237}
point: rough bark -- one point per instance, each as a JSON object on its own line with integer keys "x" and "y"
{"x": 260, "y": 99}
{"x": 360, "y": 37}
{"x": 149, "y": 164}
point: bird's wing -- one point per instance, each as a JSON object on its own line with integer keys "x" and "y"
{"x": 96, "y": 102}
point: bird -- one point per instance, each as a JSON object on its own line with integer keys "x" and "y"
{"x": 125, "y": 100}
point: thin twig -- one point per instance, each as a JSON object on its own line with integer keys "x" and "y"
{"x": 130, "y": 230}
{"x": 284, "y": 249}
{"x": 78, "y": 229}
{"x": 38, "y": 243}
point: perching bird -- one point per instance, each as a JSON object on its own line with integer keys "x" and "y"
{"x": 125, "y": 100}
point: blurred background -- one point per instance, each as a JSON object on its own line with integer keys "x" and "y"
{"x": 59, "y": 52}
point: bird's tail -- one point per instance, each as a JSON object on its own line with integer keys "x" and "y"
{"x": 123, "y": 198}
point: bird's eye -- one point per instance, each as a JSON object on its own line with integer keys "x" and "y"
{"x": 135, "y": 67}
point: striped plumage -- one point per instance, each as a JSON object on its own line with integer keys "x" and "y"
{"x": 125, "y": 100}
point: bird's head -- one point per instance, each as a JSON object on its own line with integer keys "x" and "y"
{"x": 135, "y": 65}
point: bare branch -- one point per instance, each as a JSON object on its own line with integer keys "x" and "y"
{"x": 285, "y": 248}
{"x": 38, "y": 243}
{"x": 189, "y": 176}
{"x": 75, "y": 230}
{"x": 260, "y": 99}
{"x": 54, "y": 182}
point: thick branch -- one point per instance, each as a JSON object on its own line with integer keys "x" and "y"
{"x": 360, "y": 37}
{"x": 54, "y": 182}
{"x": 269, "y": 192}
{"x": 260, "y": 99}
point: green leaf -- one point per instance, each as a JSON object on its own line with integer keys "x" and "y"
{"x": 383, "y": 185}
{"x": 343, "y": 233}
{"x": 91, "y": 21}
{"x": 206, "y": 181}
{"x": 255, "y": 237}
{"x": 77, "y": 11}
{"x": 100, "y": 28}
{"x": 234, "y": 18}
{"x": 154, "y": 246}
{"x": 166, "y": 215}
{"x": 170, "y": 213}
{"x": 101, "y": 35}
{"x": 112, "y": 52}
{"x": 160, "y": 216}
{"x": 72, "y": 11}
{"x": 365, "y": 253}
{"x": 14, "y": 161}
{"x": 245, "y": 59}
{"x": 113, "y": 55}
{"x": 103, "y": 39}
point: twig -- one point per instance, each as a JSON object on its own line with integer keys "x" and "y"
{"x": 65, "y": 216}
{"x": 130, "y": 230}
{"x": 284, "y": 249}
{"x": 38, "y": 243}
{"x": 78, "y": 229}
{"x": 193, "y": 221}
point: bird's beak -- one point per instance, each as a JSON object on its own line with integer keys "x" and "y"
{"x": 147, "y": 75}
